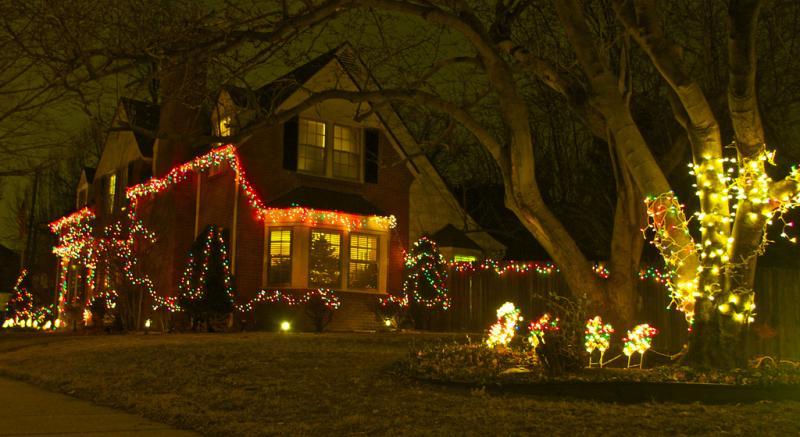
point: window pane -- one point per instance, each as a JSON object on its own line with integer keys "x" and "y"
{"x": 344, "y": 139}
{"x": 346, "y": 153}
{"x": 112, "y": 189}
{"x": 311, "y": 147}
{"x": 225, "y": 128}
{"x": 280, "y": 256}
{"x": 324, "y": 267}
{"x": 363, "y": 272}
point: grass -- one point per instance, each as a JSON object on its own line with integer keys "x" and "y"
{"x": 332, "y": 384}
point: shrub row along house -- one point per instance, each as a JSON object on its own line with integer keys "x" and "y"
{"x": 329, "y": 199}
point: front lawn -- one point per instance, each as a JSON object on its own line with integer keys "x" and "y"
{"x": 332, "y": 384}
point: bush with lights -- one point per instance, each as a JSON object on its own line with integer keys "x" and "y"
{"x": 392, "y": 310}
{"x": 22, "y": 310}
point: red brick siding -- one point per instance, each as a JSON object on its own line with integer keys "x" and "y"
{"x": 249, "y": 252}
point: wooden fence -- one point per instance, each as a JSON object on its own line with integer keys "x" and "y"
{"x": 476, "y": 295}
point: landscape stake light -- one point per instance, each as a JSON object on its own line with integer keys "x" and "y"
{"x": 285, "y": 326}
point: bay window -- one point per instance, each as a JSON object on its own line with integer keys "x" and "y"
{"x": 324, "y": 264}
{"x": 279, "y": 270}
{"x": 363, "y": 261}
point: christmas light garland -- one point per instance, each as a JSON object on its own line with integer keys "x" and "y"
{"x": 501, "y": 267}
{"x": 227, "y": 154}
{"x": 292, "y": 298}
{"x": 75, "y": 232}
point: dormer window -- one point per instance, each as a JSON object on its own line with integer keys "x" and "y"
{"x": 337, "y": 155}
{"x": 225, "y": 127}
{"x": 111, "y": 191}
{"x": 346, "y": 153}
{"x": 311, "y": 147}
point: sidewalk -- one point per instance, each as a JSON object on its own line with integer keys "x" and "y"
{"x": 26, "y": 410}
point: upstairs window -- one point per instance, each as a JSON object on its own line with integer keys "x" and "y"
{"x": 311, "y": 147}
{"x": 363, "y": 261}
{"x": 225, "y": 127}
{"x": 324, "y": 263}
{"x": 346, "y": 153}
{"x": 111, "y": 192}
{"x": 279, "y": 271}
{"x": 320, "y": 153}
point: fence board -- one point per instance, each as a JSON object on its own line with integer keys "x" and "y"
{"x": 477, "y": 294}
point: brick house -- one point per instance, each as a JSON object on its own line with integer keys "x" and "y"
{"x": 331, "y": 198}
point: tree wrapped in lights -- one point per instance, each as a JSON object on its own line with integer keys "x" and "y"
{"x": 597, "y": 336}
{"x": 505, "y": 328}
{"x": 638, "y": 341}
{"x": 426, "y": 276}
{"x": 22, "y": 310}
{"x": 206, "y": 287}
{"x": 20, "y": 307}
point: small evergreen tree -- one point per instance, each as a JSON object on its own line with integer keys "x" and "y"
{"x": 206, "y": 288}
{"x": 20, "y": 305}
{"x": 426, "y": 280}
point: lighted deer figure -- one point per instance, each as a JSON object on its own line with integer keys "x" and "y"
{"x": 597, "y": 336}
{"x": 538, "y": 328}
{"x": 503, "y": 330}
{"x": 639, "y": 340}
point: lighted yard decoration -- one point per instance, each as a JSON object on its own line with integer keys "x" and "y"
{"x": 537, "y": 329}
{"x": 638, "y": 341}
{"x": 426, "y": 276}
{"x": 503, "y": 330}
{"x": 597, "y": 336}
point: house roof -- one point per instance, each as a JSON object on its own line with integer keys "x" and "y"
{"x": 450, "y": 236}
{"x": 142, "y": 115}
{"x": 271, "y": 95}
{"x": 89, "y": 174}
{"x": 318, "y": 198}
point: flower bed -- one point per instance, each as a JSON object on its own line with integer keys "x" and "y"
{"x": 517, "y": 370}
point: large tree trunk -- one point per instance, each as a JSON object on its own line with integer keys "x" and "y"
{"x": 718, "y": 341}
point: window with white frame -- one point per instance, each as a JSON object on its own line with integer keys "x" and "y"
{"x": 338, "y": 155}
{"x": 363, "y": 271}
{"x": 279, "y": 268}
{"x": 324, "y": 260}
{"x": 311, "y": 147}
{"x": 346, "y": 153}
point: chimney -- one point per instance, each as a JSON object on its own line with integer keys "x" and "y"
{"x": 182, "y": 89}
